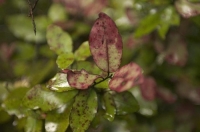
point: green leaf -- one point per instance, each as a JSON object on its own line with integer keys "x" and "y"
{"x": 57, "y": 12}
{"x": 58, "y": 120}
{"x": 58, "y": 40}
{"x": 33, "y": 125}
{"x": 13, "y": 102}
{"x": 65, "y": 60}
{"x": 109, "y": 106}
{"x": 147, "y": 25}
{"x": 25, "y": 30}
{"x": 103, "y": 84}
{"x": 125, "y": 103}
{"x": 88, "y": 66}
{"x": 39, "y": 71}
{"x": 47, "y": 100}
{"x": 83, "y": 52}
{"x": 83, "y": 111}
{"x": 59, "y": 83}
{"x": 5, "y": 117}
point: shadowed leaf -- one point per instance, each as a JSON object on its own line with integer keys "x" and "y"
{"x": 106, "y": 44}
{"x": 126, "y": 77}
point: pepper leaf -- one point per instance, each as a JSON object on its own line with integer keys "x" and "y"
{"x": 106, "y": 44}
{"x": 80, "y": 79}
{"x": 126, "y": 77}
{"x": 83, "y": 111}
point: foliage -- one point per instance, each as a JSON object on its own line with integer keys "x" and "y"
{"x": 134, "y": 68}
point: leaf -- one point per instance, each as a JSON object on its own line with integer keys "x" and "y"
{"x": 83, "y": 52}
{"x": 83, "y": 111}
{"x": 88, "y": 66}
{"x": 126, "y": 77}
{"x": 33, "y": 125}
{"x": 187, "y": 9}
{"x": 13, "y": 102}
{"x": 58, "y": 120}
{"x": 58, "y": 40}
{"x": 125, "y": 103}
{"x": 80, "y": 79}
{"x": 106, "y": 44}
{"x": 103, "y": 84}
{"x": 65, "y": 60}
{"x": 109, "y": 106}
{"x": 57, "y": 12}
{"x": 59, "y": 83}
{"x": 148, "y": 88}
{"x": 147, "y": 25}
{"x": 47, "y": 100}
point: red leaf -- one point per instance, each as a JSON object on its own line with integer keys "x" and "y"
{"x": 80, "y": 79}
{"x": 126, "y": 77}
{"x": 148, "y": 88}
{"x": 106, "y": 44}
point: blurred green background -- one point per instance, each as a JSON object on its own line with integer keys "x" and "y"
{"x": 162, "y": 36}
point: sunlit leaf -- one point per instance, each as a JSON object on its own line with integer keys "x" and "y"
{"x": 58, "y": 40}
{"x": 33, "y": 125}
{"x": 83, "y": 110}
{"x": 109, "y": 106}
{"x": 83, "y": 52}
{"x": 13, "y": 102}
{"x": 65, "y": 60}
{"x": 59, "y": 83}
{"x": 106, "y": 44}
{"x": 58, "y": 120}
{"x": 80, "y": 79}
{"x": 102, "y": 84}
{"x": 57, "y": 12}
{"x": 126, "y": 77}
{"x": 47, "y": 100}
{"x": 125, "y": 103}
{"x": 187, "y": 9}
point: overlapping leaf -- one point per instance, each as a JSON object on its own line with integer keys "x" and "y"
{"x": 106, "y": 44}
{"x": 83, "y": 110}
{"x": 47, "y": 100}
{"x": 126, "y": 77}
{"x": 80, "y": 79}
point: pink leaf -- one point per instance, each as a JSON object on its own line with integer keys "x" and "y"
{"x": 106, "y": 44}
{"x": 166, "y": 95}
{"x": 126, "y": 77}
{"x": 80, "y": 79}
{"x": 148, "y": 88}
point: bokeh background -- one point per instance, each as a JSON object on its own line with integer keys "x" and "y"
{"x": 162, "y": 36}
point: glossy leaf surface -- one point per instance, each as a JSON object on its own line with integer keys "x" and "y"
{"x": 83, "y": 52}
{"x": 125, "y": 103}
{"x": 80, "y": 79}
{"x": 65, "y": 60}
{"x": 47, "y": 100}
{"x": 109, "y": 106}
{"x": 59, "y": 83}
{"x": 13, "y": 102}
{"x": 83, "y": 111}
{"x": 58, "y": 40}
{"x": 58, "y": 120}
{"x": 106, "y": 44}
{"x": 126, "y": 77}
